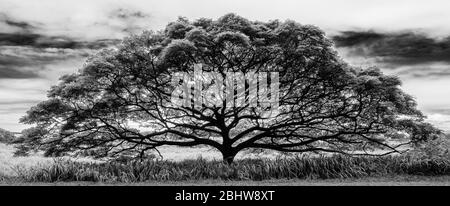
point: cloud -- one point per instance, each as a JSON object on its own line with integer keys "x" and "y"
{"x": 32, "y": 58}
{"x": 421, "y": 61}
{"x": 409, "y": 54}
{"x": 4, "y": 19}
{"x": 9, "y": 24}
{"x": 6, "y": 72}
{"x": 125, "y": 21}
{"x": 353, "y": 38}
{"x": 27, "y": 53}
{"x": 442, "y": 120}
{"x": 400, "y": 48}
{"x": 17, "y": 96}
{"x": 442, "y": 111}
{"x": 42, "y": 41}
{"x": 433, "y": 70}
{"x": 23, "y": 33}
{"x": 128, "y": 14}
{"x": 22, "y": 62}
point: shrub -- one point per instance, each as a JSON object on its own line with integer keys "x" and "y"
{"x": 432, "y": 149}
{"x": 323, "y": 167}
{"x": 6, "y": 136}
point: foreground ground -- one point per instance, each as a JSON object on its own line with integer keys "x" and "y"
{"x": 8, "y": 162}
{"x": 410, "y": 173}
{"x": 380, "y": 181}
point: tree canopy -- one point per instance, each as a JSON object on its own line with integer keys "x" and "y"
{"x": 119, "y": 102}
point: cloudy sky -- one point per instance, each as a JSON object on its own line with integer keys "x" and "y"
{"x": 41, "y": 40}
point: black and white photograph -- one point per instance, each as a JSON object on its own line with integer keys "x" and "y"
{"x": 251, "y": 93}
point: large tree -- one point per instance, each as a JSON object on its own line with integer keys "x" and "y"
{"x": 120, "y": 101}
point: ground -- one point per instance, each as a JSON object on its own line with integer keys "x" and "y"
{"x": 373, "y": 181}
{"x": 8, "y": 163}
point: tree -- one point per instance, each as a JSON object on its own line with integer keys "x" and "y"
{"x": 120, "y": 101}
{"x": 6, "y": 136}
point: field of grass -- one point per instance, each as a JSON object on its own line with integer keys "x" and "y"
{"x": 8, "y": 162}
{"x": 10, "y": 165}
{"x": 406, "y": 180}
{"x": 191, "y": 169}
{"x": 301, "y": 168}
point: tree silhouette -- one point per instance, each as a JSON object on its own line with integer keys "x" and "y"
{"x": 119, "y": 103}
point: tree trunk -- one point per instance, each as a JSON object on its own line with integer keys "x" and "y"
{"x": 228, "y": 157}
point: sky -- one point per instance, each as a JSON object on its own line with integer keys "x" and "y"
{"x": 42, "y": 40}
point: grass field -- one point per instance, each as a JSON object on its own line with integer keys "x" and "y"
{"x": 9, "y": 163}
{"x": 186, "y": 167}
{"x": 409, "y": 180}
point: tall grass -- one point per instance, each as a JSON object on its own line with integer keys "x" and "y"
{"x": 324, "y": 167}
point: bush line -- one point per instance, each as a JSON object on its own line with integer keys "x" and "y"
{"x": 323, "y": 167}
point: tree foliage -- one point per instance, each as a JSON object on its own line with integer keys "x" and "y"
{"x": 118, "y": 103}
{"x": 6, "y": 136}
